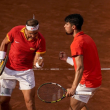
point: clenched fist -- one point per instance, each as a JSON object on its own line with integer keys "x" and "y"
{"x": 62, "y": 56}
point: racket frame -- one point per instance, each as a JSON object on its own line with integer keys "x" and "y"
{"x": 2, "y": 63}
{"x": 64, "y": 90}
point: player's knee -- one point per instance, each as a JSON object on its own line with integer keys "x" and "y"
{"x": 29, "y": 101}
{"x": 72, "y": 108}
{"x": 75, "y": 107}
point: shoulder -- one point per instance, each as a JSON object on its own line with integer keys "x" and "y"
{"x": 87, "y": 40}
{"x": 40, "y": 36}
{"x": 78, "y": 40}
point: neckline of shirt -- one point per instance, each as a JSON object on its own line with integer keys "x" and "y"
{"x": 23, "y": 31}
{"x": 78, "y": 34}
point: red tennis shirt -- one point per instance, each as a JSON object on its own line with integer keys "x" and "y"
{"x": 22, "y": 51}
{"x": 84, "y": 45}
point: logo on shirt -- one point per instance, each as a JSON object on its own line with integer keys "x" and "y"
{"x": 32, "y": 48}
{"x": 16, "y": 42}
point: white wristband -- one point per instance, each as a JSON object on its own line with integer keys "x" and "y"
{"x": 70, "y": 61}
{"x": 2, "y": 54}
{"x": 37, "y": 65}
{"x": 40, "y": 58}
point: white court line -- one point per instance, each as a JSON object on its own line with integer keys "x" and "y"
{"x": 105, "y": 68}
{"x": 57, "y": 69}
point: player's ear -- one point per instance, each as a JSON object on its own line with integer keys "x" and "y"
{"x": 73, "y": 27}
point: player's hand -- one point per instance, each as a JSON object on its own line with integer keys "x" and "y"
{"x": 62, "y": 56}
{"x": 70, "y": 92}
{"x": 39, "y": 63}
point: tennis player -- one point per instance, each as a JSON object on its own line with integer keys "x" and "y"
{"x": 85, "y": 60}
{"x": 27, "y": 47}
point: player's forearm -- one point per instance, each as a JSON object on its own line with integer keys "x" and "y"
{"x": 4, "y": 44}
{"x": 36, "y": 58}
{"x": 78, "y": 76}
{"x": 3, "y": 47}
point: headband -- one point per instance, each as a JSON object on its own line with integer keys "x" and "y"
{"x": 32, "y": 28}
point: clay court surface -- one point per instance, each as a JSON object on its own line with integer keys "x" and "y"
{"x": 51, "y": 14}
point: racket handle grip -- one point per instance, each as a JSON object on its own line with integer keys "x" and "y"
{"x": 83, "y": 93}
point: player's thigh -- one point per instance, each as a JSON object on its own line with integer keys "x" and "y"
{"x": 29, "y": 95}
{"x": 26, "y": 81}
{"x": 84, "y": 98}
{"x": 76, "y": 104}
{"x": 6, "y": 87}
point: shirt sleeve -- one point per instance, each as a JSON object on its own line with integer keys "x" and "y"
{"x": 10, "y": 35}
{"x": 41, "y": 46}
{"x": 76, "y": 49}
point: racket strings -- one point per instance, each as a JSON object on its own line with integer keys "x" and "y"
{"x": 50, "y": 92}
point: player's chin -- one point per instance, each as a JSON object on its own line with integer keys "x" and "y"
{"x": 69, "y": 33}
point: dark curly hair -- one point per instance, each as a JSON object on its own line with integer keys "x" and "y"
{"x": 75, "y": 19}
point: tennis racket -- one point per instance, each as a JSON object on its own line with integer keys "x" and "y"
{"x": 53, "y": 92}
{"x": 2, "y": 65}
